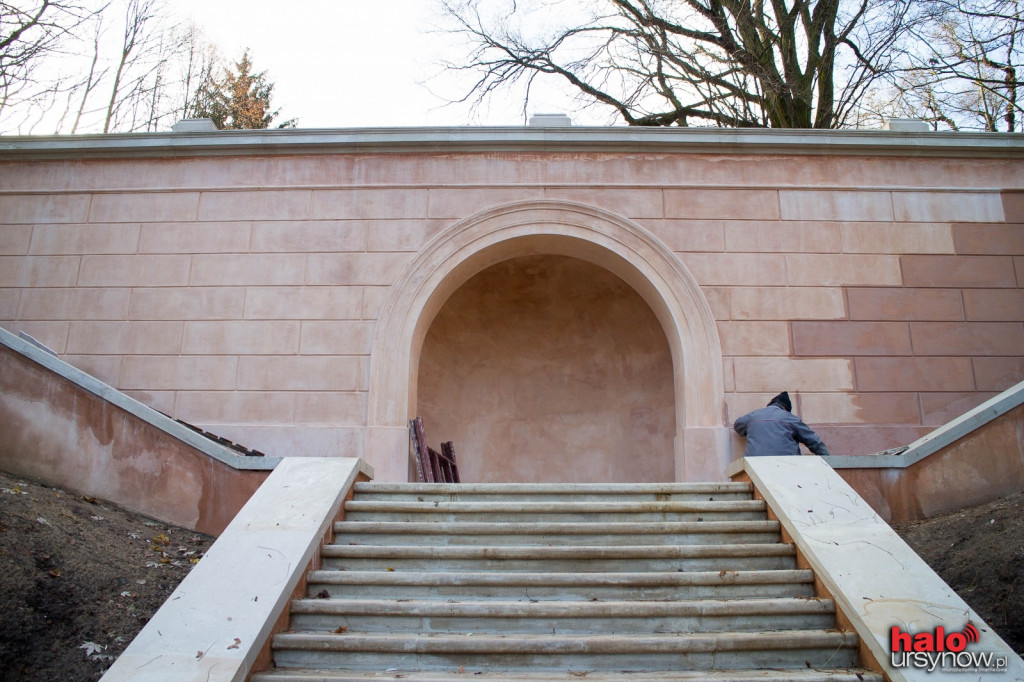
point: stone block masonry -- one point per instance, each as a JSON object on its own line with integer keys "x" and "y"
{"x": 255, "y": 284}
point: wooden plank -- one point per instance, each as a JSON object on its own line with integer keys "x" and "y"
{"x": 432, "y": 466}
{"x": 435, "y": 465}
{"x": 420, "y": 455}
{"x": 448, "y": 450}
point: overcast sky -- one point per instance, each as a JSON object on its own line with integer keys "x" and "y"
{"x": 355, "y": 63}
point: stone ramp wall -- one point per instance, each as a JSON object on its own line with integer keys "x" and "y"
{"x": 63, "y": 427}
{"x": 984, "y": 466}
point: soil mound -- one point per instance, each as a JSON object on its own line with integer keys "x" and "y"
{"x": 979, "y": 552}
{"x": 78, "y": 579}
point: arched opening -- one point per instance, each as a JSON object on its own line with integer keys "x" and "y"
{"x": 549, "y": 368}
{"x": 559, "y": 228}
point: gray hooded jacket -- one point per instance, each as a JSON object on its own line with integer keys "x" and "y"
{"x": 774, "y": 431}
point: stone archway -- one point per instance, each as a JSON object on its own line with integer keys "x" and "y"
{"x": 553, "y": 228}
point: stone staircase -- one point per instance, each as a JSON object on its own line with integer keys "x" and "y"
{"x": 560, "y": 582}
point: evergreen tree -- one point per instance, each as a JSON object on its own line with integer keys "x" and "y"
{"x": 239, "y": 99}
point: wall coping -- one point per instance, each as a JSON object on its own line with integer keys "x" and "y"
{"x": 218, "y": 620}
{"x": 514, "y": 139}
{"x": 39, "y": 354}
{"x": 939, "y": 438}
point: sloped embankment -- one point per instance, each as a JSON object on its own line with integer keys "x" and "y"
{"x": 979, "y": 551}
{"x": 78, "y": 579}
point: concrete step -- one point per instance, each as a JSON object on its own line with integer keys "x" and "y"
{"x": 561, "y": 618}
{"x": 583, "y": 511}
{"x": 552, "y": 492}
{"x": 469, "y": 652}
{"x": 538, "y": 582}
{"x": 572, "y": 559}
{"x": 773, "y": 675}
{"x": 497, "y": 585}
{"x": 552, "y": 533}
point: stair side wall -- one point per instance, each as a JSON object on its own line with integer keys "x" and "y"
{"x": 876, "y": 579}
{"x": 54, "y": 431}
{"x": 217, "y": 624}
{"x": 984, "y": 465}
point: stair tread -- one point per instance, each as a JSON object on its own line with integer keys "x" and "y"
{"x": 552, "y": 488}
{"x": 563, "y": 552}
{"x": 780, "y": 674}
{"x": 554, "y": 527}
{"x": 528, "y": 507}
{"x": 448, "y": 643}
{"x": 657, "y": 578}
{"x": 552, "y": 609}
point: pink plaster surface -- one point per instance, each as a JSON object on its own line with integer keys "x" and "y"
{"x": 546, "y": 368}
{"x": 52, "y": 430}
{"x": 245, "y": 291}
{"x": 984, "y": 465}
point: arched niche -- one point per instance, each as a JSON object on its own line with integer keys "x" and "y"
{"x": 550, "y": 369}
{"x": 553, "y": 228}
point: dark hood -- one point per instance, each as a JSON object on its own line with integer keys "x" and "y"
{"x": 783, "y": 401}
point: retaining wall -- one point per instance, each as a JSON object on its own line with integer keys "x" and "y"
{"x": 239, "y": 281}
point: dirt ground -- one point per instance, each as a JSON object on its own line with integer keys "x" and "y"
{"x": 979, "y": 552}
{"x": 78, "y": 580}
{"x": 80, "y": 577}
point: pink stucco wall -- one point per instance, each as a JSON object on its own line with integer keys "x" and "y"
{"x": 984, "y": 465}
{"x": 242, "y": 293}
{"x": 54, "y": 431}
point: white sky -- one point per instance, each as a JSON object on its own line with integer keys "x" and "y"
{"x": 357, "y": 63}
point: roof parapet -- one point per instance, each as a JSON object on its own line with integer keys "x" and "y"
{"x": 573, "y": 139}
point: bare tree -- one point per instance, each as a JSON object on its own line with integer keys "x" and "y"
{"x": 127, "y": 67}
{"x": 963, "y": 70}
{"x": 197, "y": 63}
{"x": 736, "y": 63}
{"x": 93, "y": 76}
{"x": 31, "y": 32}
{"x": 137, "y": 70}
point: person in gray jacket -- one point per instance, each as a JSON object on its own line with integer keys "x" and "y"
{"x": 775, "y": 430}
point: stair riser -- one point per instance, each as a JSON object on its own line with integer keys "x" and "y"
{"x": 583, "y": 593}
{"x": 639, "y": 661}
{"x": 554, "y": 540}
{"x": 565, "y": 566}
{"x": 436, "y": 516}
{"x": 561, "y": 626}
